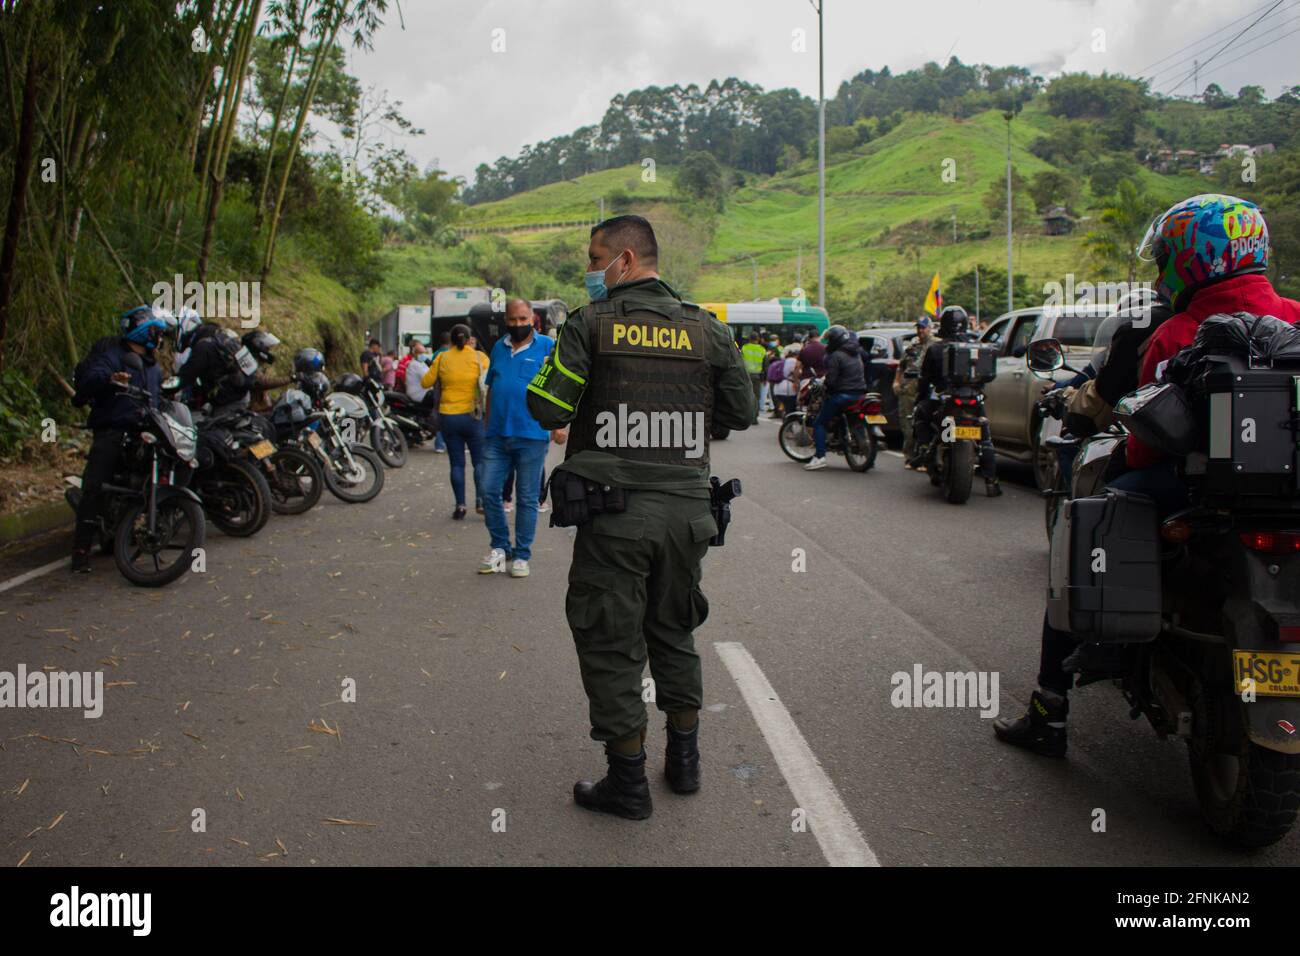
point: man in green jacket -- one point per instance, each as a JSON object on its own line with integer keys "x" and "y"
{"x": 639, "y": 377}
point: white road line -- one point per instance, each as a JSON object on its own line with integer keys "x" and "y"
{"x": 837, "y": 834}
{"x": 896, "y": 454}
{"x": 31, "y": 575}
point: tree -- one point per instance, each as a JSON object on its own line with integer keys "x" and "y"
{"x": 1124, "y": 219}
{"x": 992, "y": 299}
{"x": 1053, "y": 188}
{"x": 700, "y": 178}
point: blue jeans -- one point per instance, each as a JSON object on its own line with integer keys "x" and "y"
{"x": 832, "y": 406}
{"x": 526, "y": 457}
{"x": 461, "y": 431}
{"x": 439, "y": 443}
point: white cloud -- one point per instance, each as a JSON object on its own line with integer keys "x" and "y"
{"x": 565, "y": 59}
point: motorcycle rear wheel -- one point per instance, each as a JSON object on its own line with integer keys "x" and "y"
{"x": 1248, "y": 794}
{"x": 362, "y": 487}
{"x": 389, "y": 443}
{"x": 959, "y": 473}
{"x": 860, "y": 448}
{"x": 244, "y": 493}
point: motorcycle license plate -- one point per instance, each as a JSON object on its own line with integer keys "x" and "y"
{"x": 313, "y": 439}
{"x": 262, "y": 450}
{"x": 1274, "y": 675}
{"x": 876, "y": 420}
{"x": 963, "y": 432}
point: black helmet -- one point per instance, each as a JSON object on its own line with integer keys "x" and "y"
{"x": 953, "y": 322}
{"x": 350, "y": 383}
{"x": 308, "y": 361}
{"x": 260, "y": 342}
{"x": 315, "y": 385}
{"x": 836, "y": 336}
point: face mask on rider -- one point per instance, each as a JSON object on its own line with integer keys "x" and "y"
{"x": 595, "y": 281}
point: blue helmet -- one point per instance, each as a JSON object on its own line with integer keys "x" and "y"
{"x": 145, "y": 326}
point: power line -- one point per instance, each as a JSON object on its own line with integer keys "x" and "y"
{"x": 1208, "y": 37}
{"x": 1258, "y": 48}
{"x": 1225, "y": 46}
{"x": 1200, "y": 51}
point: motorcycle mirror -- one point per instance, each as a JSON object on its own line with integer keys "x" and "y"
{"x": 1045, "y": 357}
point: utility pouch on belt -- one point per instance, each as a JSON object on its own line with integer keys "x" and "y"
{"x": 575, "y": 500}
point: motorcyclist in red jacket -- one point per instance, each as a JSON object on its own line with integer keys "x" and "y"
{"x": 1211, "y": 252}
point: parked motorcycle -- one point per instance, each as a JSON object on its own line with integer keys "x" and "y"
{"x": 384, "y": 434}
{"x": 411, "y": 417}
{"x": 855, "y": 433}
{"x": 235, "y": 494}
{"x": 294, "y": 479}
{"x": 353, "y": 472}
{"x": 151, "y": 521}
{"x": 1195, "y": 615}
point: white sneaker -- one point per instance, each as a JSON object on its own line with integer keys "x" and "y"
{"x": 519, "y": 569}
{"x": 494, "y": 563}
{"x": 509, "y": 506}
{"x": 544, "y": 507}
{"x": 815, "y": 465}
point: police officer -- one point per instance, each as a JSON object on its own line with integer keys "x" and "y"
{"x": 905, "y": 379}
{"x": 753, "y": 354}
{"x": 954, "y": 326}
{"x": 639, "y": 377}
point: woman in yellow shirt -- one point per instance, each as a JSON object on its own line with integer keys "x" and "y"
{"x": 460, "y": 371}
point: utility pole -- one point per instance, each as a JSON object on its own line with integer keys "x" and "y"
{"x": 754, "y": 263}
{"x": 821, "y": 158}
{"x": 1009, "y": 116}
{"x": 1196, "y": 77}
{"x": 977, "y": 293}
{"x": 602, "y": 208}
{"x": 798, "y": 271}
{"x": 954, "y": 228}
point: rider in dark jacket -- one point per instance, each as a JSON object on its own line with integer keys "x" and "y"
{"x": 211, "y": 373}
{"x": 844, "y": 384}
{"x": 113, "y": 413}
{"x": 954, "y": 326}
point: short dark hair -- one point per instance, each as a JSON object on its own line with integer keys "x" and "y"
{"x": 630, "y": 232}
{"x": 375, "y": 342}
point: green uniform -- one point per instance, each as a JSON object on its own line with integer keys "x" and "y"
{"x": 910, "y": 364}
{"x": 634, "y": 584}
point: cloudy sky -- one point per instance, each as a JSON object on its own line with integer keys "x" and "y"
{"x": 563, "y": 59}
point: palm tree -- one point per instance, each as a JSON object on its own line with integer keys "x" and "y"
{"x": 1124, "y": 219}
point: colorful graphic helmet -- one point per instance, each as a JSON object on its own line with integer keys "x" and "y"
{"x": 1203, "y": 240}
{"x": 145, "y": 326}
{"x": 187, "y": 324}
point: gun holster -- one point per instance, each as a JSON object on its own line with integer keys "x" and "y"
{"x": 575, "y": 500}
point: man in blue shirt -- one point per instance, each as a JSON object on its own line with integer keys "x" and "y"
{"x": 514, "y": 440}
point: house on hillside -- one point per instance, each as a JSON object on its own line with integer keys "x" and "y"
{"x": 1058, "y": 222}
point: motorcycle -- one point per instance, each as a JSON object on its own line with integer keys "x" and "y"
{"x": 383, "y": 433}
{"x": 150, "y": 520}
{"x": 959, "y": 423}
{"x": 293, "y": 478}
{"x": 353, "y": 472}
{"x": 1198, "y": 632}
{"x": 411, "y": 417}
{"x": 855, "y": 433}
{"x": 235, "y": 494}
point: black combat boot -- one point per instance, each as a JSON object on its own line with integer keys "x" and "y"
{"x": 624, "y": 791}
{"x": 682, "y": 758}
{"x": 1041, "y": 729}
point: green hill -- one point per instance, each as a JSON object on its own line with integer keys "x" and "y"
{"x": 888, "y": 210}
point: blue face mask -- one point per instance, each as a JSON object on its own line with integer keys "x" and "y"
{"x": 595, "y": 282}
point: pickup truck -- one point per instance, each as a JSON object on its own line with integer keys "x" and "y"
{"x": 1009, "y": 399}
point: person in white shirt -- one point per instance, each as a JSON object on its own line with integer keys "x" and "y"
{"x": 415, "y": 372}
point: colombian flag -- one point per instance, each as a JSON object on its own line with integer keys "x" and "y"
{"x": 934, "y": 298}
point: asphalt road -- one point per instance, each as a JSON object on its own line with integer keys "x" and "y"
{"x": 469, "y": 724}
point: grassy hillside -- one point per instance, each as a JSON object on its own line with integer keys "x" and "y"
{"x": 893, "y": 183}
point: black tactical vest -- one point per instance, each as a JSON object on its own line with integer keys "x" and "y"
{"x": 649, "y": 394}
